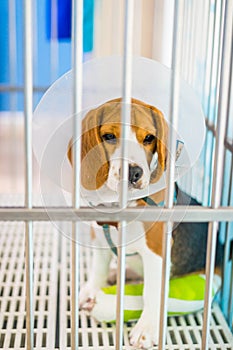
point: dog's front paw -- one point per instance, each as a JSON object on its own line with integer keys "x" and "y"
{"x": 145, "y": 333}
{"x": 87, "y": 297}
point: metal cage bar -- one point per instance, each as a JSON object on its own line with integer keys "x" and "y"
{"x": 205, "y": 41}
{"x": 190, "y": 214}
{"x": 77, "y": 59}
{"x": 28, "y": 108}
{"x": 125, "y": 118}
{"x": 211, "y": 76}
{"x": 169, "y": 193}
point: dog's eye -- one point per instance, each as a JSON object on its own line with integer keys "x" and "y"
{"x": 110, "y": 138}
{"x": 148, "y": 139}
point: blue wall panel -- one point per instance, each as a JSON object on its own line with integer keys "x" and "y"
{"x": 44, "y": 74}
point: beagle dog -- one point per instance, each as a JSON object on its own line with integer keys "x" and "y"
{"x": 101, "y": 167}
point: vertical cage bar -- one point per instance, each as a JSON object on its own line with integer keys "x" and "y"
{"x": 205, "y": 41}
{"x": 36, "y": 72}
{"x": 126, "y": 105}
{"x": 206, "y": 90}
{"x": 212, "y": 87}
{"x": 77, "y": 59}
{"x": 230, "y": 307}
{"x": 169, "y": 196}
{"x": 218, "y": 161}
{"x": 126, "y": 118}
{"x": 28, "y": 108}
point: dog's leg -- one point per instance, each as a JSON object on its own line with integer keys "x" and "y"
{"x": 146, "y": 331}
{"x": 98, "y": 277}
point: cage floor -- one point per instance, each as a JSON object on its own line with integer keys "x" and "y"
{"x": 52, "y": 299}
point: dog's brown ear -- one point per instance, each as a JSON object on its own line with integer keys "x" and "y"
{"x": 161, "y": 149}
{"x": 94, "y": 163}
{"x": 95, "y": 166}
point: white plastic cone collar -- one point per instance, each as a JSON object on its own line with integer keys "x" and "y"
{"x": 52, "y": 122}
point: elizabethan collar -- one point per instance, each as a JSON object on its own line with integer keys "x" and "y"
{"x": 52, "y": 122}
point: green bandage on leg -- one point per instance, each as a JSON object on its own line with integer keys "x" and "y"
{"x": 186, "y": 295}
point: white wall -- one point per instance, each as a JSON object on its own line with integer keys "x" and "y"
{"x": 152, "y": 28}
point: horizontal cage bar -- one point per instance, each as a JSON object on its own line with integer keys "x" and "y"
{"x": 179, "y": 213}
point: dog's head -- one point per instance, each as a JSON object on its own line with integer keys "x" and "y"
{"x": 100, "y": 150}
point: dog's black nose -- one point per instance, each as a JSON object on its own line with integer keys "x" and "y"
{"x": 135, "y": 173}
